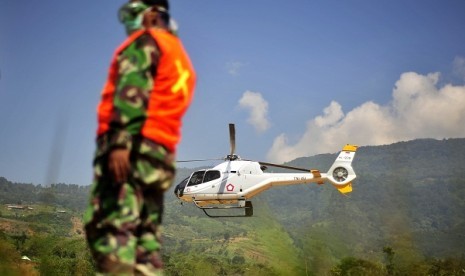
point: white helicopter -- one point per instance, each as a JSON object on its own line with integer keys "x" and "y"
{"x": 234, "y": 182}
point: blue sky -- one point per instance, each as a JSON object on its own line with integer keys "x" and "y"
{"x": 297, "y": 78}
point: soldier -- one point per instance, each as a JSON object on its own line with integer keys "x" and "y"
{"x": 149, "y": 88}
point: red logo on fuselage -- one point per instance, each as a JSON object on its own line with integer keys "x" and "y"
{"x": 230, "y": 187}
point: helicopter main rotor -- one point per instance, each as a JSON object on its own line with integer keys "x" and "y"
{"x": 232, "y": 156}
{"x": 232, "y": 144}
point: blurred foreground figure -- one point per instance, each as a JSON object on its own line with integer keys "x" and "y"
{"x": 149, "y": 88}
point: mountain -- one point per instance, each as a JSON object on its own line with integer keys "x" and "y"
{"x": 405, "y": 216}
{"x": 414, "y": 190}
{"x": 408, "y": 196}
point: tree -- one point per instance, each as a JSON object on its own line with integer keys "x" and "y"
{"x": 389, "y": 259}
{"x": 238, "y": 260}
{"x": 227, "y": 236}
{"x": 354, "y": 267}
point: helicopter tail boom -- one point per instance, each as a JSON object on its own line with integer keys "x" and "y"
{"x": 341, "y": 174}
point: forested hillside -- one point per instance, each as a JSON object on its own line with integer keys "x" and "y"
{"x": 406, "y": 216}
{"x": 408, "y": 196}
{"x": 408, "y": 206}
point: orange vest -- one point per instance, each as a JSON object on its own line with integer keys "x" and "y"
{"x": 171, "y": 95}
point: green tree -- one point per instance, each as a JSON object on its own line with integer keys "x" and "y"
{"x": 238, "y": 260}
{"x": 60, "y": 256}
{"x": 389, "y": 255}
{"x": 449, "y": 266}
{"x": 351, "y": 266}
{"x": 9, "y": 257}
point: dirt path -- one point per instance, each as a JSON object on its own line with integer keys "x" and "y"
{"x": 78, "y": 227}
{"x": 28, "y": 268}
{"x": 15, "y": 227}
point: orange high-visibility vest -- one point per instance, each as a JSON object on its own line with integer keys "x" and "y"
{"x": 171, "y": 95}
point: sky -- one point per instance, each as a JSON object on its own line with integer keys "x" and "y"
{"x": 297, "y": 78}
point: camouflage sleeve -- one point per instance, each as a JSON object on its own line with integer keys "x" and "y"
{"x": 136, "y": 68}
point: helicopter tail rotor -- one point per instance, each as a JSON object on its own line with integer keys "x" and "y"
{"x": 341, "y": 172}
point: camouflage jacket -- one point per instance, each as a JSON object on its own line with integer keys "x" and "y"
{"x": 136, "y": 67}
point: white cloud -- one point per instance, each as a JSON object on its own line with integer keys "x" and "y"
{"x": 258, "y": 108}
{"x": 233, "y": 67}
{"x": 419, "y": 109}
{"x": 333, "y": 113}
{"x": 459, "y": 66}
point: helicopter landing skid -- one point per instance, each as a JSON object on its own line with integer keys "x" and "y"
{"x": 247, "y": 207}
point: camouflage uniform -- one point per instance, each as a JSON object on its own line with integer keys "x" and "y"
{"x": 122, "y": 220}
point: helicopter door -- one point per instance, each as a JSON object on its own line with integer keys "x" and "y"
{"x": 196, "y": 179}
{"x": 211, "y": 175}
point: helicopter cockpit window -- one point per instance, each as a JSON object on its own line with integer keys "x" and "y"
{"x": 196, "y": 178}
{"x": 202, "y": 176}
{"x": 211, "y": 175}
{"x": 183, "y": 183}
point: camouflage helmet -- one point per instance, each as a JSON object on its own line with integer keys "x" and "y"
{"x": 161, "y": 3}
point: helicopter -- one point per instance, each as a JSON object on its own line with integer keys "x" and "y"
{"x": 231, "y": 184}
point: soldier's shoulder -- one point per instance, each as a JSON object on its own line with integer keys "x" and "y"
{"x": 145, "y": 40}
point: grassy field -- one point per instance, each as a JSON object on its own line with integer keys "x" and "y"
{"x": 40, "y": 219}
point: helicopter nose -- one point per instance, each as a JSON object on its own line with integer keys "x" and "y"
{"x": 178, "y": 191}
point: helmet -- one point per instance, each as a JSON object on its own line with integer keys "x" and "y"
{"x": 161, "y": 3}
{"x": 131, "y": 13}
